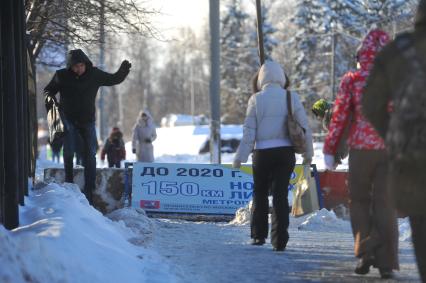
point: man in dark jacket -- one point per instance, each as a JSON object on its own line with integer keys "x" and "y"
{"x": 78, "y": 85}
{"x": 395, "y": 103}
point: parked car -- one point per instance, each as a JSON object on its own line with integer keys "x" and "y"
{"x": 227, "y": 146}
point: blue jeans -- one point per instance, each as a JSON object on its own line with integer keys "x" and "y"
{"x": 87, "y": 132}
{"x": 56, "y": 156}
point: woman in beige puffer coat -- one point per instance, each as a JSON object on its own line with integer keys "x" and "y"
{"x": 144, "y": 134}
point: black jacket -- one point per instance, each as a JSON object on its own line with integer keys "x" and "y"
{"x": 78, "y": 93}
{"x": 393, "y": 76}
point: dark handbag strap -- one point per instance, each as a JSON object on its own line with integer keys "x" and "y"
{"x": 290, "y": 111}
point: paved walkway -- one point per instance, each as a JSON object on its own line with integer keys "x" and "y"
{"x": 219, "y": 252}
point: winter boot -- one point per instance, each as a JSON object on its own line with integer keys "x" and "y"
{"x": 364, "y": 264}
{"x": 386, "y": 273}
{"x": 258, "y": 242}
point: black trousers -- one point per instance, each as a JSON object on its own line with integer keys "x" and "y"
{"x": 88, "y": 135}
{"x": 418, "y": 230}
{"x": 113, "y": 163}
{"x": 272, "y": 169}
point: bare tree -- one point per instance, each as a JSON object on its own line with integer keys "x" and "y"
{"x": 54, "y": 24}
{"x": 136, "y": 91}
{"x": 182, "y": 80}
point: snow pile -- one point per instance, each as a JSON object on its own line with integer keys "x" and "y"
{"x": 325, "y": 221}
{"x": 242, "y": 216}
{"x": 44, "y": 163}
{"x": 404, "y": 230}
{"x": 136, "y": 220}
{"x": 62, "y": 238}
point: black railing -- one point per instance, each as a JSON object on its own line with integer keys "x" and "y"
{"x": 14, "y": 139}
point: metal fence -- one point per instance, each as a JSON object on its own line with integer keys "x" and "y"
{"x": 14, "y": 109}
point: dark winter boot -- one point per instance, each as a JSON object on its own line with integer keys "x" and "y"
{"x": 386, "y": 273}
{"x": 364, "y": 264}
{"x": 278, "y": 249}
{"x": 258, "y": 242}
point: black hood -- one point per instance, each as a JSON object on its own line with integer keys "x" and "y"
{"x": 421, "y": 14}
{"x": 78, "y": 56}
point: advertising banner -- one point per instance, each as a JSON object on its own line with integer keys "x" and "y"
{"x": 194, "y": 188}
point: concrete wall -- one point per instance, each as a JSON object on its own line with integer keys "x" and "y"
{"x": 109, "y": 192}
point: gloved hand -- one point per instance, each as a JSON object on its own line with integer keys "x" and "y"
{"x": 125, "y": 65}
{"x": 134, "y": 150}
{"x": 330, "y": 164}
{"x": 236, "y": 164}
{"x": 148, "y": 140}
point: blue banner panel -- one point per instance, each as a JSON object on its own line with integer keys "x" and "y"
{"x": 195, "y": 188}
{"x": 190, "y": 188}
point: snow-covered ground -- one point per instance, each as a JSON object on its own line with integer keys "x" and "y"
{"x": 63, "y": 239}
{"x": 182, "y": 144}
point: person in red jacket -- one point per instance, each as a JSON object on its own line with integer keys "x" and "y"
{"x": 114, "y": 148}
{"x": 373, "y": 217}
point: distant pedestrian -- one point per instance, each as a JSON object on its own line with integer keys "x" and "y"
{"x": 114, "y": 148}
{"x": 144, "y": 133}
{"x": 78, "y": 86}
{"x": 323, "y": 110}
{"x": 372, "y": 213}
{"x": 395, "y": 103}
{"x": 274, "y": 158}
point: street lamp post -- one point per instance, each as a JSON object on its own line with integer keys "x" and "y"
{"x": 260, "y": 32}
{"x": 215, "y": 82}
{"x": 102, "y": 65}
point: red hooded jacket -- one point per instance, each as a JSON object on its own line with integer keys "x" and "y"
{"x": 361, "y": 134}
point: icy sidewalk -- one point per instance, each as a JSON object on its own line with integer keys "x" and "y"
{"x": 219, "y": 252}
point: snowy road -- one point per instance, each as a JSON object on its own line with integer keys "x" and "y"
{"x": 221, "y": 252}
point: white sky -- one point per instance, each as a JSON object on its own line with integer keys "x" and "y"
{"x": 180, "y": 13}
